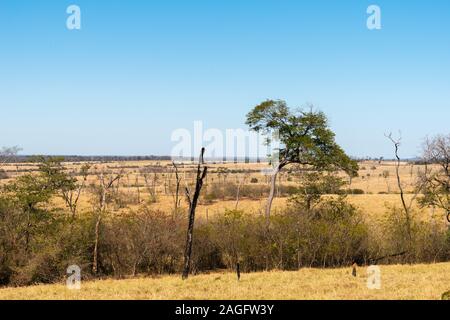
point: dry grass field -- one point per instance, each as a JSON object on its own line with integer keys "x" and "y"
{"x": 380, "y": 190}
{"x": 376, "y": 179}
{"x": 398, "y": 282}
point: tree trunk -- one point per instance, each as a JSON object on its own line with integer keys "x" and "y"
{"x": 105, "y": 187}
{"x": 97, "y": 233}
{"x": 402, "y": 193}
{"x": 273, "y": 184}
{"x": 237, "y": 195}
{"x": 189, "y": 240}
{"x": 192, "y": 206}
{"x": 138, "y": 190}
{"x": 238, "y": 271}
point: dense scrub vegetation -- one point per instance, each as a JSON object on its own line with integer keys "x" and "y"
{"x": 38, "y": 242}
{"x": 40, "y": 247}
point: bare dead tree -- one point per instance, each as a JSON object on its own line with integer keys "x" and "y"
{"x": 434, "y": 182}
{"x": 406, "y": 208}
{"x": 129, "y": 191}
{"x": 176, "y": 195}
{"x": 150, "y": 183}
{"x": 138, "y": 189}
{"x": 193, "y": 200}
{"x": 8, "y": 153}
{"x": 106, "y": 183}
{"x": 238, "y": 191}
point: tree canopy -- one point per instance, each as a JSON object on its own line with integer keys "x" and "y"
{"x": 305, "y": 136}
{"x": 305, "y": 139}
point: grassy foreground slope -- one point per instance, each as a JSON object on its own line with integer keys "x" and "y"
{"x": 398, "y": 282}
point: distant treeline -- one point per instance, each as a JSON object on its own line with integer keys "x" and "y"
{"x": 72, "y": 158}
{"x": 75, "y": 158}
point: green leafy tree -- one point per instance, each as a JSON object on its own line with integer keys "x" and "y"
{"x": 69, "y": 189}
{"x": 32, "y": 191}
{"x": 305, "y": 139}
{"x": 313, "y": 186}
{"x": 29, "y": 192}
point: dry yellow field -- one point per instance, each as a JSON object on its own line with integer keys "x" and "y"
{"x": 397, "y": 282}
{"x": 377, "y": 180}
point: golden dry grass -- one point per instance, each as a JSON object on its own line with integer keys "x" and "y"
{"x": 374, "y": 177}
{"x": 398, "y": 282}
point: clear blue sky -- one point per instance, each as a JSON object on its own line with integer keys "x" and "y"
{"x": 137, "y": 70}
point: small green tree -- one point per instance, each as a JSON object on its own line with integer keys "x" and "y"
{"x": 29, "y": 192}
{"x": 67, "y": 187}
{"x": 314, "y": 185}
{"x": 32, "y": 191}
{"x": 305, "y": 139}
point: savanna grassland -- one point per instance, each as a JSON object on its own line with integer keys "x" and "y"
{"x": 411, "y": 282}
{"x": 241, "y": 189}
{"x": 153, "y": 183}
